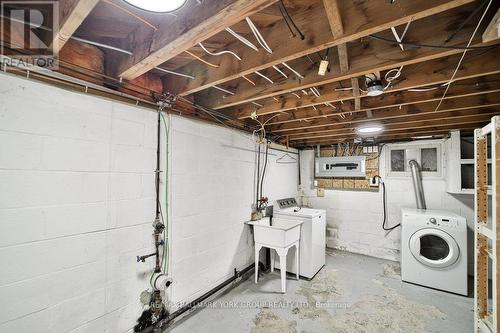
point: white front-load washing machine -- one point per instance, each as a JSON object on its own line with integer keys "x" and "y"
{"x": 434, "y": 249}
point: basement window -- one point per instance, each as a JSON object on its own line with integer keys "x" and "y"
{"x": 428, "y": 157}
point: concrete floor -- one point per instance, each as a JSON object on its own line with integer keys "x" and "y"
{"x": 352, "y": 293}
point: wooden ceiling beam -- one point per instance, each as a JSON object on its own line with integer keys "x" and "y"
{"x": 367, "y": 57}
{"x": 366, "y": 17}
{"x": 71, "y": 15}
{"x": 433, "y": 124}
{"x": 471, "y": 87}
{"x": 430, "y": 73}
{"x": 404, "y": 135}
{"x": 427, "y": 108}
{"x": 335, "y": 19}
{"x": 194, "y": 23}
{"x": 492, "y": 31}
{"x": 408, "y": 120}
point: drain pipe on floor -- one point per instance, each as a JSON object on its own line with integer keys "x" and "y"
{"x": 416, "y": 176}
{"x": 200, "y": 301}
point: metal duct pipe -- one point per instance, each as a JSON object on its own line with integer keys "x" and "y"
{"x": 417, "y": 184}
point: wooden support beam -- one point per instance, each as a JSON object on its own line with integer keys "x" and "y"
{"x": 480, "y": 240}
{"x": 409, "y": 122}
{"x": 334, "y": 17}
{"x": 403, "y": 135}
{"x": 428, "y": 124}
{"x": 366, "y": 17}
{"x": 470, "y": 87}
{"x": 427, "y": 74}
{"x": 492, "y": 31}
{"x": 364, "y": 58}
{"x": 356, "y": 94}
{"x": 428, "y": 109}
{"x": 343, "y": 58}
{"x": 194, "y": 23}
{"x": 71, "y": 14}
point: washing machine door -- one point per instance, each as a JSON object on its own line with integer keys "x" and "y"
{"x": 434, "y": 248}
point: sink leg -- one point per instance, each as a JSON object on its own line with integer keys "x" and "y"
{"x": 257, "y": 251}
{"x": 272, "y": 259}
{"x": 282, "y": 254}
{"x": 297, "y": 259}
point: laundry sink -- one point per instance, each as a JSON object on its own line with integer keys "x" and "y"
{"x": 280, "y": 233}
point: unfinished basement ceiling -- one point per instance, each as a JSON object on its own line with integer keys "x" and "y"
{"x": 430, "y": 84}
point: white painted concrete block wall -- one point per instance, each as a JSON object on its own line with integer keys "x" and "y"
{"x": 354, "y": 218}
{"x": 77, "y": 202}
{"x": 212, "y": 186}
{"x": 76, "y": 205}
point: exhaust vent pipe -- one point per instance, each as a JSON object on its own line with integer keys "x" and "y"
{"x": 417, "y": 184}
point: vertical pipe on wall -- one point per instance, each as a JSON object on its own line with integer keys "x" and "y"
{"x": 417, "y": 184}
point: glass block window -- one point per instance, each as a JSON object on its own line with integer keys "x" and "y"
{"x": 398, "y": 160}
{"x": 429, "y": 159}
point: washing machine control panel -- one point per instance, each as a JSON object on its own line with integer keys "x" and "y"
{"x": 443, "y": 222}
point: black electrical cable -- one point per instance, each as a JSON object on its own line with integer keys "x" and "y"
{"x": 286, "y": 21}
{"x": 286, "y": 16}
{"x": 478, "y": 8}
{"x": 384, "y": 204}
{"x": 457, "y": 47}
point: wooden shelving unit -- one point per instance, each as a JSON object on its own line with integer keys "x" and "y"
{"x": 460, "y": 164}
{"x": 486, "y": 238}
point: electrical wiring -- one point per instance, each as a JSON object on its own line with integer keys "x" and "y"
{"x": 293, "y": 70}
{"x": 202, "y": 60}
{"x": 220, "y": 52}
{"x": 389, "y": 77}
{"x": 456, "y": 47}
{"x": 253, "y": 83}
{"x": 163, "y": 214}
{"x": 165, "y": 236}
{"x": 315, "y": 91}
{"x": 223, "y": 90}
{"x": 384, "y": 204}
{"x": 288, "y": 19}
{"x": 280, "y": 71}
{"x": 464, "y": 22}
{"x": 109, "y": 47}
{"x": 132, "y": 14}
{"x": 174, "y": 73}
{"x": 463, "y": 55}
{"x": 430, "y": 88}
{"x": 242, "y": 39}
{"x": 265, "y": 77}
{"x": 258, "y": 35}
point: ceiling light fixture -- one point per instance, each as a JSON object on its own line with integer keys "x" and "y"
{"x": 369, "y": 129}
{"x": 157, "y": 6}
{"x": 422, "y": 137}
{"x": 374, "y": 88}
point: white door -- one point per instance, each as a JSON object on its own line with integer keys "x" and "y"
{"x": 434, "y": 248}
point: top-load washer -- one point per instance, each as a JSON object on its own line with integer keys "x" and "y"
{"x": 312, "y": 237}
{"x": 434, "y": 249}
